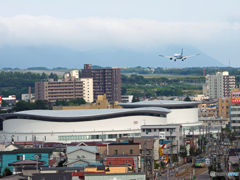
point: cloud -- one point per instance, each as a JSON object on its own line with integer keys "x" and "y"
{"x": 94, "y": 32}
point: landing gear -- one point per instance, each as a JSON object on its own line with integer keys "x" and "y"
{"x": 175, "y": 60}
{"x": 182, "y": 60}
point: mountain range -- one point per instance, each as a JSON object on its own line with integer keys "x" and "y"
{"x": 50, "y": 57}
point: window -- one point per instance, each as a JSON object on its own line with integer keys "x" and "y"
{"x": 222, "y": 113}
{"x": 143, "y": 130}
{"x": 148, "y": 130}
{"x": 116, "y": 152}
{"x": 20, "y": 158}
{"x": 154, "y": 130}
{"x": 131, "y": 151}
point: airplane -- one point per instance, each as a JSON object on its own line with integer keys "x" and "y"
{"x": 179, "y": 56}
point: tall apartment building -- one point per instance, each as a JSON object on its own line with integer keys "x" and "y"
{"x": 65, "y": 89}
{"x": 105, "y": 81}
{"x": 235, "y": 117}
{"x": 220, "y": 85}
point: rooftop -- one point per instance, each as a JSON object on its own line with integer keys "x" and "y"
{"x": 161, "y": 103}
{"x": 74, "y": 115}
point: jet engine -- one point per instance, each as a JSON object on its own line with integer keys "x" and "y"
{"x": 170, "y": 58}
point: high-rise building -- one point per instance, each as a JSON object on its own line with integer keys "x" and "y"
{"x": 220, "y": 85}
{"x": 105, "y": 81}
{"x": 65, "y": 89}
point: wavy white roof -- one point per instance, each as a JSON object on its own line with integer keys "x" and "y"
{"x": 90, "y": 112}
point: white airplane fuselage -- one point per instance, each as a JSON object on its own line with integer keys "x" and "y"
{"x": 178, "y": 56}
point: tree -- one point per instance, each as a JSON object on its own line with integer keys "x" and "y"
{"x": 44, "y": 76}
{"x": 187, "y": 99}
{"x": 183, "y": 152}
{"x": 135, "y": 99}
{"x": 77, "y": 101}
{"x": 163, "y": 165}
{"x": 191, "y": 151}
{"x": 124, "y": 90}
{"x": 198, "y": 152}
{"x": 7, "y": 172}
{"x": 156, "y": 165}
{"x": 175, "y": 159}
{"x": 4, "y": 103}
{"x": 41, "y": 104}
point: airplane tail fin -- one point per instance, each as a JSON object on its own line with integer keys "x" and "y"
{"x": 182, "y": 52}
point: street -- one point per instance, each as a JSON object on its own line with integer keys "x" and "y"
{"x": 186, "y": 171}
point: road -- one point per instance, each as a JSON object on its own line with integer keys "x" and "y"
{"x": 203, "y": 176}
{"x": 185, "y": 172}
{"x": 180, "y": 169}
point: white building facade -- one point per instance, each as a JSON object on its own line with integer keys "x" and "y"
{"x": 79, "y": 125}
{"x": 220, "y": 85}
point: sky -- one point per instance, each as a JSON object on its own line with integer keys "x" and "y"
{"x": 212, "y": 26}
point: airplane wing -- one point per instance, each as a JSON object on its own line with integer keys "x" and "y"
{"x": 191, "y": 55}
{"x": 166, "y": 56}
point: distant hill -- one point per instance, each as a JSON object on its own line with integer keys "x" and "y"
{"x": 50, "y": 57}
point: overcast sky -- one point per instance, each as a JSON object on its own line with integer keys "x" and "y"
{"x": 213, "y": 26}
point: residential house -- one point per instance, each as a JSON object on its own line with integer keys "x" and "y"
{"x": 8, "y": 157}
{"x": 81, "y": 156}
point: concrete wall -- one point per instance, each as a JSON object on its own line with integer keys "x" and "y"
{"x": 88, "y": 89}
{"x": 179, "y": 116}
{"x": 121, "y": 123}
{"x": 123, "y": 148}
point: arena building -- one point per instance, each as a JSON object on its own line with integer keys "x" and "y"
{"x": 182, "y": 112}
{"x": 97, "y": 124}
{"x": 79, "y": 125}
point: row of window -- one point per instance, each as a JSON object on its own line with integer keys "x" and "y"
{"x": 91, "y": 137}
{"x": 160, "y": 130}
{"x": 234, "y": 121}
{"x": 235, "y": 115}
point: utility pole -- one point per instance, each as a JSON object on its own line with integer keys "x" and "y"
{"x": 160, "y": 161}
{"x": 171, "y": 159}
{"x": 37, "y": 157}
{"x": 177, "y": 160}
{"x": 200, "y": 138}
{"x": 193, "y": 140}
{"x": 203, "y": 140}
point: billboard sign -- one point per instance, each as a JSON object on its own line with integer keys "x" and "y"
{"x": 235, "y": 96}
